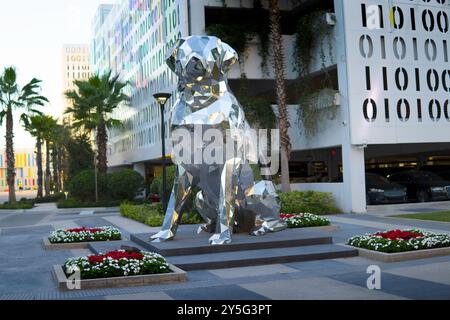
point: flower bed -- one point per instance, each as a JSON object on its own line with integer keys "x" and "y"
{"x": 395, "y": 241}
{"x": 304, "y": 220}
{"x": 117, "y": 263}
{"x": 84, "y": 235}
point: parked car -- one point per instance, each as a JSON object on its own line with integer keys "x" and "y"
{"x": 423, "y": 186}
{"x": 381, "y": 190}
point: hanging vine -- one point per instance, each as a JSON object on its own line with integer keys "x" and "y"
{"x": 239, "y": 35}
{"x": 258, "y": 109}
{"x": 312, "y": 31}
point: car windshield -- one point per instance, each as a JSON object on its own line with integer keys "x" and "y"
{"x": 426, "y": 176}
{"x": 376, "y": 179}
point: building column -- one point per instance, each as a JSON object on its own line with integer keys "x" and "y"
{"x": 140, "y": 168}
{"x": 353, "y": 162}
{"x": 354, "y": 174}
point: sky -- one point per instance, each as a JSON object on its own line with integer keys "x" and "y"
{"x": 32, "y": 33}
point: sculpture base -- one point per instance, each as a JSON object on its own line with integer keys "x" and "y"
{"x": 191, "y": 251}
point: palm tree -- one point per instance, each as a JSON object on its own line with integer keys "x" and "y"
{"x": 278, "y": 61}
{"x": 13, "y": 97}
{"x": 60, "y": 139}
{"x": 37, "y": 127}
{"x": 93, "y": 104}
{"x": 48, "y": 136}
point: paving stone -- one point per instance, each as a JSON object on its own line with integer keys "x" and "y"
{"x": 80, "y": 252}
{"x": 202, "y": 275}
{"x": 130, "y": 225}
{"x": 254, "y": 271}
{"x": 230, "y": 292}
{"x": 399, "y": 285}
{"x": 140, "y": 296}
{"x": 326, "y": 267}
{"x": 314, "y": 288}
{"x": 435, "y": 272}
{"x": 27, "y": 231}
{"x": 25, "y": 219}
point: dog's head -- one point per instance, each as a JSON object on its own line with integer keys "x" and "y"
{"x": 201, "y": 57}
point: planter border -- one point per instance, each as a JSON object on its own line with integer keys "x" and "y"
{"x": 177, "y": 275}
{"x": 330, "y": 227}
{"x": 401, "y": 256}
{"x": 70, "y": 245}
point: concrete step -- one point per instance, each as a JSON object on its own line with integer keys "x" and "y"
{"x": 245, "y": 258}
{"x": 189, "y": 243}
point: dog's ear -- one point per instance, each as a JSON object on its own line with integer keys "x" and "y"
{"x": 172, "y": 56}
{"x": 228, "y": 57}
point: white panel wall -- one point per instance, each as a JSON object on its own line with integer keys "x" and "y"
{"x": 330, "y": 134}
{"x": 336, "y": 189}
{"x": 398, "y": 71}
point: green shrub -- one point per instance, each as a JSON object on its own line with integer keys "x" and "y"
{"x": 80, "y": 155}
{"x": 308, "y": 201}
{"x": 82, "y": 186}
{"x": 154, "y": 220}
{"x": 51, "y": 198}
{"x": 151, "y": 214}
{"x": 73, "y": 203}
{"x": 156, "y": 186}
{"x": 125, "y": 184}
{"x": 20, "y": 205}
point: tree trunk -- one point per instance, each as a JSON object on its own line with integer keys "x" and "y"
{"x": 10, "y": 156}
{"x": 55, "y": 168}
{"x": 39, "y": 167}
{"x": 47, "y": 168}
{"x": 278, "y": 60}
{"x": 60, "y": 168}
{"x": 102, "y": 140}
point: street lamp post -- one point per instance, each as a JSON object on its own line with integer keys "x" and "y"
{"x": 95, "y": 171}
{"x": 96, "y": 180}
{"x": 162, "y": 98}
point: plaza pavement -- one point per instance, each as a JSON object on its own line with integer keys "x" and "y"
{"x": 25, "y": 268}
{"x": 29, "y": 194}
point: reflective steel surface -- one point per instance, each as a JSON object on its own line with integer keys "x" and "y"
{"x": 229, "y": 200}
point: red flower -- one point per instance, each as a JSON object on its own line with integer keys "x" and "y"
{"x": 84, "y": 229}
{"x": 399, "y": 235}
{"x": 96, "y": 259}
{"x": 287, "y": 215}
{"x": 116, "y": 255}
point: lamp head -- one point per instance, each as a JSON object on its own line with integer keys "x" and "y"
{"x": 162, "y": 98}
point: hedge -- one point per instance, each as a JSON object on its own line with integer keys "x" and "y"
{"x": 72, "y": 203}
{"x": 51, "y": 198}
{"x": 308, "y": 201}
{"x": 19, "y": 205}
{"x": 152, "y": 214}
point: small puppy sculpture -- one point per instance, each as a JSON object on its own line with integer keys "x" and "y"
{"x": 229, "y": 199}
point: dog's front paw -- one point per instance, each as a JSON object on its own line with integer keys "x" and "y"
{"x": 220, "y": 238}
{"x": 163, "y": 235}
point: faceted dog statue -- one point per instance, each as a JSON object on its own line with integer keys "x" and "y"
{"x": 229, "y": 199}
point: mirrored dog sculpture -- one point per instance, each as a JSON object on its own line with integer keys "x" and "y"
{"x": 229, "y": 199}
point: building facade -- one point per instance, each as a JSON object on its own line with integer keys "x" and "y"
{"x": 76, "y": 66}
{"x": 385, "y": 108}
{"x": 26, "y": 170}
